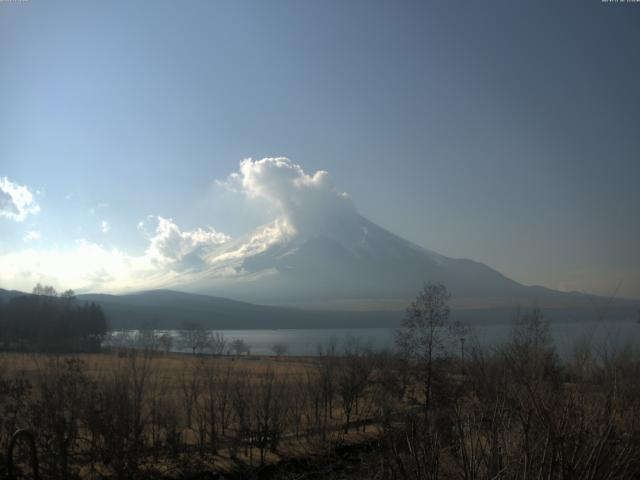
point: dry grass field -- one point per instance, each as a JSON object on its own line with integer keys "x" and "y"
{"x": 183, "y": 412}
{"x": 514, "y": 411}
{"x": 170, "y": 367}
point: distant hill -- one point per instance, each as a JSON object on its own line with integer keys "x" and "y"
{"x": 168, "y": 309}
{"x": 172, "y": 309}
{"x": 6, "y": 295}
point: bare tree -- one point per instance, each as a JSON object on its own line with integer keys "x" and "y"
{"x": 242, "y": 404}
{"x": 327, "y": 380}
{"x": 299, "y": 403}
{"x": 194, "y": 337}
{"x": 279, "y": 349}
{"x": 240, "y": 346}
{"x": 190, "y": 387}
{"x": 216, "y": 343}
{"x": 223, "y": 394}
{"x": 45, "y": 290}
{"x": 117, "y": 413}
{"x": 56, "y": 411}
{"x": 147, "y": 339}
{"x": 268, "y": 413}
{"x": 212, "y": 407}
{"x": 421, "y": 338}
{"x": 165, "y": 341}
{"x": 353, "y": 376}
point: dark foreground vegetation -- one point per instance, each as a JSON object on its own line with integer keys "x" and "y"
{"x": 515, "y": 411}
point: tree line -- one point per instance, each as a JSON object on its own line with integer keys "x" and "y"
{"x": 46, "y": 320}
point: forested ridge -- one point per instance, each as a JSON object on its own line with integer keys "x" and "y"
{"x": 47, "y": 320}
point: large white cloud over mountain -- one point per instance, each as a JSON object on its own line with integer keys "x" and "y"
{"x": 301, "y": 200}
{"x": 16, "y": 201}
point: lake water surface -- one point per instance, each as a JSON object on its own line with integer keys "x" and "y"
{"x": 307, "y": 341}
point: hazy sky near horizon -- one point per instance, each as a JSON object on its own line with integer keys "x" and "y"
{"x": 505, "y": 132}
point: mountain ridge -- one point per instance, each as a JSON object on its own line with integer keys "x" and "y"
{"x": 350, "y": 262}
{"x": 170, "y": 309}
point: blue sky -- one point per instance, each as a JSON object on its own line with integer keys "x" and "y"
{"x": 488, "y": 130}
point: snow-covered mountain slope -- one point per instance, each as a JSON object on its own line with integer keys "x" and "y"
{"x": 347, "y": 261}
{"x": 320, "y": 253}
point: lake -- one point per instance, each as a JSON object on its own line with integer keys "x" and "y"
{"x": 306, "y": 341}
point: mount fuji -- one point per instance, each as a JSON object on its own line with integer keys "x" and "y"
{"x": 320, "y": 253}
{"x": 347, "y": 262}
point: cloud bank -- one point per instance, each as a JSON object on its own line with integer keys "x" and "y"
{"x": 301, "y": 203}
{"x": 16, "y": 201}
{"x": 169, "y": 244}
{"x": 87, "y": 266}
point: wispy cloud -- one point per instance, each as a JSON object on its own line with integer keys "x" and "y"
{"x": 16, "y": 201}
{"x": 104, "y": 226}
{"x": 31, "y": 236}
